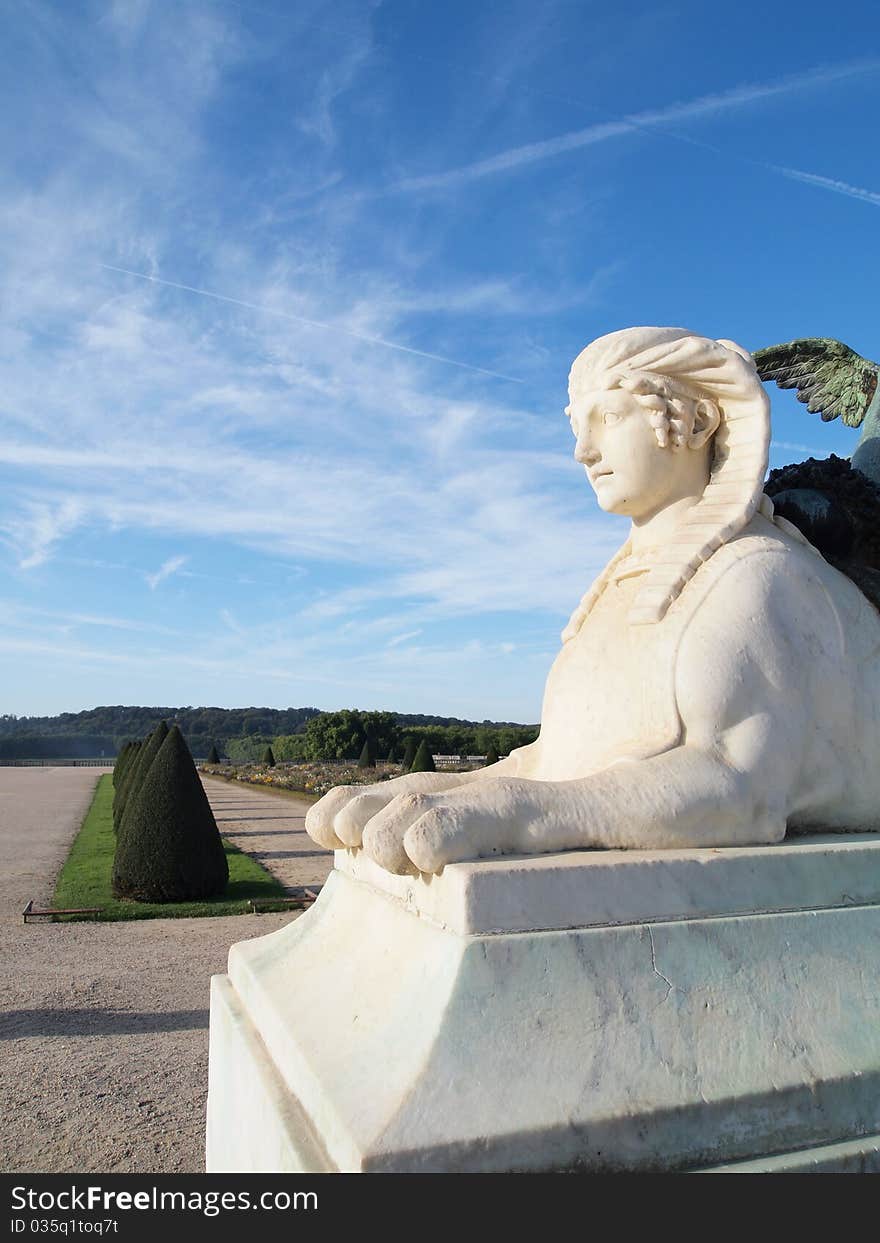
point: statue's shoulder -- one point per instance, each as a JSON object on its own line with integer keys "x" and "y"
{"x": 765, "y": 559}
{"x": 769, "y": 580}
{"x": 767, "y": 534}
{"x": 771, "y": 543}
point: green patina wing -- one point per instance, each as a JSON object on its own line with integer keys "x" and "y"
{"x": 830, "y": 378}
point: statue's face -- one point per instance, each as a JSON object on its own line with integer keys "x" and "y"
{"x": 628, "y": 470}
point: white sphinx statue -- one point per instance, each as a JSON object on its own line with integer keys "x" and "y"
{"x": 718, "y": 685}
{"x": 658, "y": 1004}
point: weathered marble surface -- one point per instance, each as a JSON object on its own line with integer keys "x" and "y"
{"x": 402, "y": 1045}
{"x": 609, "y": 887}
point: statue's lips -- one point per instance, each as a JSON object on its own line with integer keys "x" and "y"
{"x": 600, "y": 474}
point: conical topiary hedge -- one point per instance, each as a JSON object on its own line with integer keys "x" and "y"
{"x": 121, "y": 781}
{"x": 268, "y": 758}
{"x": 169, "y": 847}
{"x": 409, "y": 754}
{"x": 122, "y": 759}
{"x": 135, "y": 775}
{"x": 123, "y": 770}
{"x": 491, "y": 755}
{"x": 367, "y": 757}
{"x": 424, "y": 760}
{"x": 213, "y": 757}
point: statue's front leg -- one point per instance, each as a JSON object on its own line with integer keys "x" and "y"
{"x": 681, "y": 799}
{"x": 505, "y": 816}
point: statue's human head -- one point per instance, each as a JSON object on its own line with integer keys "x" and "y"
{"x": 660, "y": 413}
{"x": 643, "y": 439}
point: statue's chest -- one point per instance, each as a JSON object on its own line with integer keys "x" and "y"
{"x": 610, "y": 693}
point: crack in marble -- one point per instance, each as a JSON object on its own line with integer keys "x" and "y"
{"x": 669, "y": 985}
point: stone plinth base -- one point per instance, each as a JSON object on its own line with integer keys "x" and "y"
{"x": 594, "y": 1011}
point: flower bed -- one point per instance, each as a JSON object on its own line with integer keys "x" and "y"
{"x": 315, "y": 779}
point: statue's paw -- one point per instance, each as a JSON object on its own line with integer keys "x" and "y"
{"x": 384, "y": 833}
{"x": 320, "y": 817}
{"x": 473, "y": 824}
{"x": 349, "y": 821}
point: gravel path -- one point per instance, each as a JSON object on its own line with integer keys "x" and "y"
{"x": 41, "y": 810}
{"x": 104, "y": 1027}
{"x": 269, "y": 826}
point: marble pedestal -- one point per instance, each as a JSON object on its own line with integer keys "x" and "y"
{"x": 609, "y": 1010}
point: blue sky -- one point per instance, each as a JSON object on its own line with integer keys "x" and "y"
{"x": 290, "y": 293}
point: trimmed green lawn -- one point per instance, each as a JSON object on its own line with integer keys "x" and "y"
{"x": 85, "y": 879}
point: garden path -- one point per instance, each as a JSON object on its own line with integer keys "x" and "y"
{"x": 270, "y": 827}
{"x": 41, "y": 810}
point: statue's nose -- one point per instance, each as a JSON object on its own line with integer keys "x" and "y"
{"x": 584, "y": 451}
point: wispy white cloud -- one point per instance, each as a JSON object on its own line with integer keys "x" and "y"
{"x": 229, "y": 620}
{"x": 333, "y": 81}
{"x": 35, "y": 531}
{"x": 15, "y": 613}
{"x": 403, "y": 638}
{"x": 166, "y": 570}
{"x": 144, "y": 122}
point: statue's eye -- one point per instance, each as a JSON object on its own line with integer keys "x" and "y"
{"x": 611, "y": 417}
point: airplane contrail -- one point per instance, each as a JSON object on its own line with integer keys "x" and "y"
{"x": 315, "y": 323}
{"x": 828, "y": 183}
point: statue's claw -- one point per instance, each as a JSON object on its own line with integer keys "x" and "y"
{"x": 384, "y": 845}
{"x": 427, "y": 842}
{"x": 319, "y": 823}
{"x": 351, "y": 819}
{"x": 384, "y": 834}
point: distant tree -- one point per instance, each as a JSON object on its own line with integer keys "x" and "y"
{"x": 169, "y": 847}
{"x": 367, "y": 757}
{"x": 290, "y": 747}
{"x": 409, "y": 753}
{"x": 392, "y": 755}
{"x": 335, "y": 735}
{"x": 424, "y": 760}
{"x": 247, "y": 750}
{"x": 491, "y": 755}
{"x": 268, "y": 758}
{"x": 382, "y": 730}
{"x": 213, "y": 757}
{"x": 341, "y": 735}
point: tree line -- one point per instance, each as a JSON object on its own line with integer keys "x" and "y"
{"x": 120, "y": 723}
{"x": 336, "y": 736}
{"x": 242, "y": 734}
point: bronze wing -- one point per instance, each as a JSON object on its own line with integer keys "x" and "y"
{"x": 830, "y": 378}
